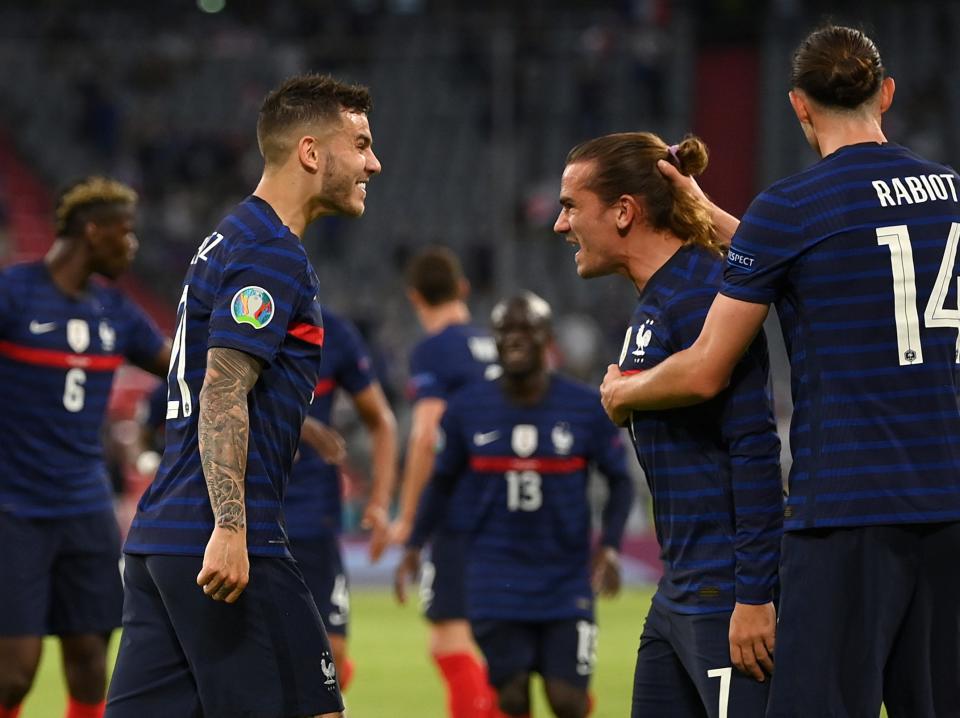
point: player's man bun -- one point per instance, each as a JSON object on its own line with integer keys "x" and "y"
{"x": 691, "y": 156}
{"x": 837, "y": 67}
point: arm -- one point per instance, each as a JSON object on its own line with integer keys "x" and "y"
{"x": 750, "y": 432}
{"x": 223, "y": 431}
{"x": 377, "y": 416}
{"x": 323, "y": 439}
{"x": 159, "y": 365}
{"x": 606, "y": 560}
{"x": 421, "y": 452}
{"x": 693, "y": 375}
{"x": 725, "y": 222}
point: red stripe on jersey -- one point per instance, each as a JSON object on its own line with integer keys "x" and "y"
{"x": 307, "y": 333}
{"x": 545, "y": 465}
{"x": 60, "y": 360}
{"x": 324, "y": 386}
{"x": 628, "y": 372}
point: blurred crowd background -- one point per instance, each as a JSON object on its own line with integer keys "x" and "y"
{"x": 476, "y": 106}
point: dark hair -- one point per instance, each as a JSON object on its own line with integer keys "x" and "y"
{"x": 838, "y": 67}
{"x": 435, "y": 273}
{"x": 90, "y": 199}
{"x": 302, "y": 100}
{"x": 626, "y": 163}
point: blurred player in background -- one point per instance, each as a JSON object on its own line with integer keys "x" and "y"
{"x": 518, "y": 452}
{"x": 312, "y": 506}
{"x": 453, "y": 354}
{"x": 713, "y": 470}
{"x": 852, "y": 250}
{"x": 217, "y": 618}
{"x": 65, "y": 334}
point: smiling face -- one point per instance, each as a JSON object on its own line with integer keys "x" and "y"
{"x": 588, "y": 223}
{"x": 521, "y": 328}
{"x": 348, "y": 164}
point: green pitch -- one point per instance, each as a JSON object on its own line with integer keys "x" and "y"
{"x": 395, "y": 678}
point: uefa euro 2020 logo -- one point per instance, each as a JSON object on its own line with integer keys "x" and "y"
{"x": 253, "y": 306}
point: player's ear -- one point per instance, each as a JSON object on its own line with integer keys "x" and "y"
{"x": 887, "y": 88}
{"x": 628, "y": 211}
{"x": 799, "y": 103}
{"x": 308, "y": 152}
{"x": 463, "y": 287}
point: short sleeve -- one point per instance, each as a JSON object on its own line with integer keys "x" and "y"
{"x": 262, "y": 289}
{"x": 426, "y": 380}
{"x": 356, "y": 371}
{"x": 143, "y": 340}
{"x": 765, "y": 246}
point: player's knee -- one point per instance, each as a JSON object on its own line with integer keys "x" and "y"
{"x": 448, "y": 637}
{"x": 567, "y": 701}
{"x": 15, "y": 682}
{"x": 514, "y": 696}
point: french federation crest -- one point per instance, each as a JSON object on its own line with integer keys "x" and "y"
{"x": 78, "y": 335}
{"x": 644, "y": 335}
{"x": 329, "y": 671}
{"x": 524, "y": 440}
{"x": 108, "y": 336}
{"x": 562, "y": 438}
{"x": 253, "y": 306}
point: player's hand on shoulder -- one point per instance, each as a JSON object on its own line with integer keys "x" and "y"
{"x": 226, "y": 565}
{"x": 752, "y": 636}
{"x": 605, "y": 571}
{"x": 407, "y": 571}
{"x": 609, "y": 396}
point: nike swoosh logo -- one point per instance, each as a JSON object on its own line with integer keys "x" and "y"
{"x": 485, "y": 438}
{"x": 42, "y": 328}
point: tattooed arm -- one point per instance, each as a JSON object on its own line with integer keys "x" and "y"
{"x": 224, "y": 428}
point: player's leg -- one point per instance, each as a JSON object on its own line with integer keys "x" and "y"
{"x": 922, "y": 676}
{"x": 443, "y": 594}
{"x": 844, "y": 593}
{"x": 267, "y": 654}
{"x": 321, "y": 564}
{"x": 26, "y": 566}
{"x": 86, "y": 606}
{"x": 566, "y": 654}
{"x": 510, "y": 650}
{"x": 151, "y": 678}
{"x": 702, "y": 644}
{"x": 661, "y": 684}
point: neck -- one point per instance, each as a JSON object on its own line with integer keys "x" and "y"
{"x": 287, "y": 198}
{"x": 436, "y": 319}
{"x": 834, "y": 132}
{"x": 526, "y": 389}
{"x": 68, "y": 263}
{"x": 645, "y": 255}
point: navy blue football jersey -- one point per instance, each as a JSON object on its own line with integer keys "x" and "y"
{"x": 859, "y": 253}
{"x": 312, "y": 505}
{"x": 449, "y": 360}
{"x": 713, "y": 469}
{"x": 58, "y": 355}
{"x": 523, "y": 471}
{"x": 250, "y": 287}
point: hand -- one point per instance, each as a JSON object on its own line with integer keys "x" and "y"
{"x": 226, "y": 565}
{"x": 400, "y": 531}
{"x": 375, "y": 520}
{"x": 752, "y": 633}
{"x": 605, "y": 571}
{"x": 611, "y": 382}
{"x": 407, "y": 571}
{"x": 682, "y": 182}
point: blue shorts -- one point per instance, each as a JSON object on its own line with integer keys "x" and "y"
{"x": 869, "y": 614}
{"x": 59, "y": 576}
{"x": 183, "y": 654}
{"x": 564, "y": 650}
{"x": 320, "y": 562}
{"x": 684, "y": 670}
{"x": 443, "y": 580}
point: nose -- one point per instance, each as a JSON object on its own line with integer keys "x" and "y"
{"x": 373, "y": 164}
{"x": 562, "y": 225}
